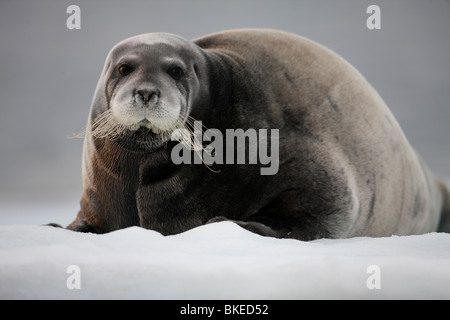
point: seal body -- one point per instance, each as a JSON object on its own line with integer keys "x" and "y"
{"x": 345, "y": 167}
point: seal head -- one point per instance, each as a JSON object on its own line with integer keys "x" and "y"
{"x": 147, "y": 89}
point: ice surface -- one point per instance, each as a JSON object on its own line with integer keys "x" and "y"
{"x": 218, "y": 261}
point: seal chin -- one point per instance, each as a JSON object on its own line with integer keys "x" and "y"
{"x": 144, "y": 136}
{"x": 141, "y": 140}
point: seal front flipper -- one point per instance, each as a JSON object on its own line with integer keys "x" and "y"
{"x": 55, "y": 225}
{"x": 252, "y": 226}
{"x": 80, "y": 225}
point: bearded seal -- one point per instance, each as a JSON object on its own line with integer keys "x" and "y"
{"x": 345, "y": 167}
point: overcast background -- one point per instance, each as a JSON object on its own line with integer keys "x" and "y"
{"x": 48, "y": 73}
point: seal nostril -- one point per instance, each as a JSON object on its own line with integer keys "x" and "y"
{"x": 146, "y": 95}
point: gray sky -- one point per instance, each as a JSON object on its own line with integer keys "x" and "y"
{"x": 49, "y": 73}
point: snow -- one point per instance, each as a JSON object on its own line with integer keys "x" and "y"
{"x": 218, "y": 261}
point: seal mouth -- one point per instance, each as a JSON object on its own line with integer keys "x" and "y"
{"x": 145, "y": 128}
{"x": 145, "y": 135}
{"x": 142, "y": 136}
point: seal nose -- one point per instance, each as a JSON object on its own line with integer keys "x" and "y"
{"x": 147, "y": 95}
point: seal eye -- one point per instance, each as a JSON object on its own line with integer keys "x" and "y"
{"x": 125, "y": 69}
{"x": 176, "y": 73}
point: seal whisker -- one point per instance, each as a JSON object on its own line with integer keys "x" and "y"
{"x": 79, "y": 135}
